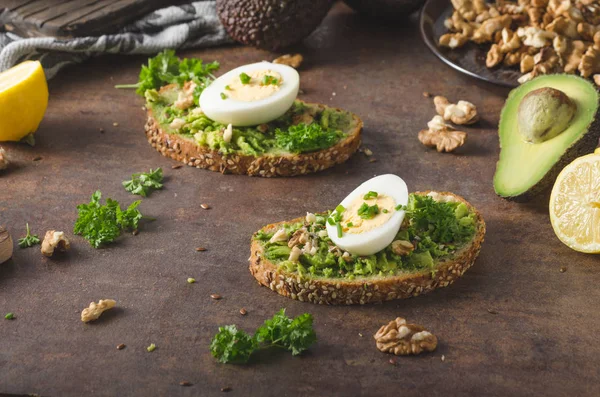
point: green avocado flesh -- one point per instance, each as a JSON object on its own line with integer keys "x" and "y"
{"x": 303, "y": 128}
{"x": 437, "y": 231}
{"x": 524, "y": 166}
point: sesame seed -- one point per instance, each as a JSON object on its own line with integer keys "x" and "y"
{"x": 185, "y": 383}
{"x": 116, "y": 124}
{"x": 135, "y": 232}
{"x": 216, "y": 296}
{"x": 243, "y": 311}
{"x": 392, "y": 361}
{"x": 491, "y": 311}
{"x": 121, "y": 346}
{"x": 101, "y": 130}
{"x": 443, "y": 358}
{"x": 176, "y": 166}
{"x": 204, "y": 206}
{"x": 200, "y": 249}
{"x": 37, "y": 158}
{"x": 426, "y": 94}
{"x": 226, "y": 389}
{"x": 563, "y": 269}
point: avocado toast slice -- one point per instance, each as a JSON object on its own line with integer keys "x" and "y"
{"x": 308, "y": 138}
{"x": 444, "y": 248}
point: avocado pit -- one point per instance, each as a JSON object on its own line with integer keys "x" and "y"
{"x": 544, "y": 114}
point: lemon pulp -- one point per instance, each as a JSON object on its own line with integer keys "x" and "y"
{"x": 575, "y": 204}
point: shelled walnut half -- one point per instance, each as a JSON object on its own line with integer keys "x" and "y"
{"x": 55, "y": 240}
{"x": 95, "y": 310}
{"x": 402, "y": 339}
{"x": 442, "y": 136}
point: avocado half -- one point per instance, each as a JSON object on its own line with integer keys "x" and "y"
{"x": 271, "y": 24}
{"x": 526, "y": 169}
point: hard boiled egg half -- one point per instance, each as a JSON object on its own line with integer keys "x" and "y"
{"x": 251, "y": 94}
{"x": 369, "y": 218}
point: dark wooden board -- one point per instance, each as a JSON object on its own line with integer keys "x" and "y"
{"x": 542, "y": 341}
{"x": 73, "y": 18}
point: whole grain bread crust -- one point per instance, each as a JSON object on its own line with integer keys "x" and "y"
{"x": 329, "y": 291}
{"x": 187, "y": 151}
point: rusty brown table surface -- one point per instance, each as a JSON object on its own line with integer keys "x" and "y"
{"x": 513, "y": 325}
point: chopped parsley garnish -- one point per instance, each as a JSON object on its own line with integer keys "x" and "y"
{"x": 231, "y": 345}
{"x": 367, "y": 211}
{"x": 223, "y": 96}
{"x": 9, "y": 316}
{"x": 244, "y": 78}
{"x": 144, "y": 182}
{"x": 165, "y": 68}
{"x": 306, "y": 138}
{"x": 350, "y": 224}
{"x": 228, "y": 88}
{"x": 399, "y": 207}
{"x": 384, "y": 211}
{"x": 29, "y": 240}
{"x": 267, "y": 80}
{"x": 370, "y": 195}
{"x": 335, "y": 219}
{"x": 101, "y": 224}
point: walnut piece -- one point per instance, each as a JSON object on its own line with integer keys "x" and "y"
{"x": 299, "y": 237}
{"x": 3, "y": 159}
{"x": 95, "y": 310}
{"x": 185, "y": 99}
{"x": 280, "y": 235}
{"x": 442, "y": 136}
{"x": 460, "y": 113}
{"x": 295, "y": 254}
{"x": 54, "y": 240}
{"x": 402, "y": 247}
{"x": 293, "y": 60}
{"x": 403, "y": 339}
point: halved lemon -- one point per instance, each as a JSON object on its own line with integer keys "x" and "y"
{"x": 575, "y": 204}
{"x": 23, "y": 100}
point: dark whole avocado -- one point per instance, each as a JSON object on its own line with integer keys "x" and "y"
{"x": 271, "y": 24}
{"x": 545, "y": 124}
{"x": 386, "y": 9}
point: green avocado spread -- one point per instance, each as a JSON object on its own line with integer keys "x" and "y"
{"x": 303, "y": 128}
{"x": 435, "y": 229}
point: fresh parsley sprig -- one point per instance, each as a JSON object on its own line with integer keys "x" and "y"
{"x": 231, "y": 345}
{"x": 102, "y": 224}
{"x": 166, "y": 68}
{"x": 145, "y": 182}
{"x": 29, "y": 240}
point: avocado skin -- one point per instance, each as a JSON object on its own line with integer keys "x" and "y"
{"x": 386, "y": 9}
{"x": 585, "y": 145}
{"x": 271, "y": 24}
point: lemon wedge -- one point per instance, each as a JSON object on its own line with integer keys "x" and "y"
{"x": 23, "y": 100}
{"x": 575, "y": 204}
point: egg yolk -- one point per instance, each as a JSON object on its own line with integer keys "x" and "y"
{"x": 385, "y": 207}
{"x": 253, "y": 86}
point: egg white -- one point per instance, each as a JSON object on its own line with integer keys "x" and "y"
{"x": 375, "y": 240}
{"x": 241, "y": 113}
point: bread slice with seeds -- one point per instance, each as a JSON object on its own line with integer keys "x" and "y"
{"x": 285, "y": 278}
{"x": 179, "y": 130}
